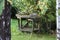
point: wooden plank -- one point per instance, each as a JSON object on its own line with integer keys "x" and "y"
{"x": 22, "y": 16}
{"x": 26, "y": 16}
{"x": 28, "y": 29}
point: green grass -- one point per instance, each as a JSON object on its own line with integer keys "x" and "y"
{"x": 18, "y": 35}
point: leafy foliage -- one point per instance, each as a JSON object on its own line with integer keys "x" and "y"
{"x": 31, "y": 6}
{"x": 44, "y": 8}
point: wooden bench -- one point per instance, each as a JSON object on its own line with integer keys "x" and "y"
{"x": 28, "y": 19}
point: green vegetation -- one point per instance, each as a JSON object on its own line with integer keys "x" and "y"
{"x": 38, "y": 6}
{"x": 1, "y": 6}
{"x": 18, "y": 35}
{"x": 46, "y": 9}
{"x": 59, "y": 11}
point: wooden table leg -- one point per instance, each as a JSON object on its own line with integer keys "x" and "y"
{"x": 32, "y": 26}
{"x": 20, "y": 22}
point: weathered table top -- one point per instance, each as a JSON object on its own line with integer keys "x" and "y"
{"x": 26, "y": 16}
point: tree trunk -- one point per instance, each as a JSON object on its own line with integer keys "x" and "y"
{"x": 5, "y": 33}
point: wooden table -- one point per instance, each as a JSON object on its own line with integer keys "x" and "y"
{"x": 20, "y": 17}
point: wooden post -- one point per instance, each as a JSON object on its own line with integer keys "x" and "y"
{"x": 19, "y": 23}
{"x": 33, "y": 24}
